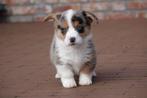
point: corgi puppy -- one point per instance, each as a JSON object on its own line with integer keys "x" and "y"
{"x": 72, "y": 50}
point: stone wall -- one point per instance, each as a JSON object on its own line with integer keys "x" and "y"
{"x": 34, "y": 10}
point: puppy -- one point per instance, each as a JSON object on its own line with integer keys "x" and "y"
{"x": 72, "y": 50}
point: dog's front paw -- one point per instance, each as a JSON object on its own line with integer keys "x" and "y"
{"x": 68, "y": 82}
{"x": 85, "y": 80}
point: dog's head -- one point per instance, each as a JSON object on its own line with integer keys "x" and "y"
{"x": 71, "y": 26}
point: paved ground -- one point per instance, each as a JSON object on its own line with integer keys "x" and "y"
{"x": 26, "y": 72}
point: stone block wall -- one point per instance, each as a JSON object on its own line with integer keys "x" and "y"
{"x": 34, "y": 10}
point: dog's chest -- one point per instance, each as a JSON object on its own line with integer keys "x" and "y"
{"x": 74, "y": 57}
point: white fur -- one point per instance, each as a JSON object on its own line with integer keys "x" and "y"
{"x": 67, "y": 76}
{"x": 68, "y": 14}
{"x": 68, "y": 82}
{"x": 73, "y": 54}
{"x": 85, "y": 79}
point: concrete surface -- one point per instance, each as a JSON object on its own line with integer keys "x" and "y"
{"x": 26, "y": 72}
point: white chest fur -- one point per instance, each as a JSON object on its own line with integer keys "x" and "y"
{"x": 73, "y": 56}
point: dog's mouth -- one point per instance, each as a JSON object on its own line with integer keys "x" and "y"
{"x": 72, "y": 44}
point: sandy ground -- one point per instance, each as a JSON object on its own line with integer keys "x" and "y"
{"x": 26, "y": 71}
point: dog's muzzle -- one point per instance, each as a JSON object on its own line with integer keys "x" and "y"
{"x": 72, "y": 40}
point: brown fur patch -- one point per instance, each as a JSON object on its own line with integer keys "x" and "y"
{"x": 89, "y": 66}
{"x": 65, "y": 24}
{"x": 76, "y": 23}
{"x": 61, "y": 24}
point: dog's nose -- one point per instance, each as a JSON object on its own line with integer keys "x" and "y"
{"x": 72, "y": 39}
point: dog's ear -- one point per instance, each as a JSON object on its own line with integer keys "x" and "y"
{"x": 90, "y": 17}
{"x": 52, "y": 17}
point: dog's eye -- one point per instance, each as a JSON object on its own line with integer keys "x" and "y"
{"x": 63, "y": 30}
{"x": 80, "y": 29}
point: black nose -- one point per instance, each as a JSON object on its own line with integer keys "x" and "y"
{"x": 72, "y": 39}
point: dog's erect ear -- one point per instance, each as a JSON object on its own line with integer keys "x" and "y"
{"x": 52, "y": 17}
{"x": 90, "y": 17}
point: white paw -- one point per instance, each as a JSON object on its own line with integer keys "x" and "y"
{"x": 85, "y": 80}
{"x": 57, "y": 75}
{"x": 68, "y": 82}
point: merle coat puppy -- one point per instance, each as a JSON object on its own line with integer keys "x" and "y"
{"x": 72, "y": 50}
